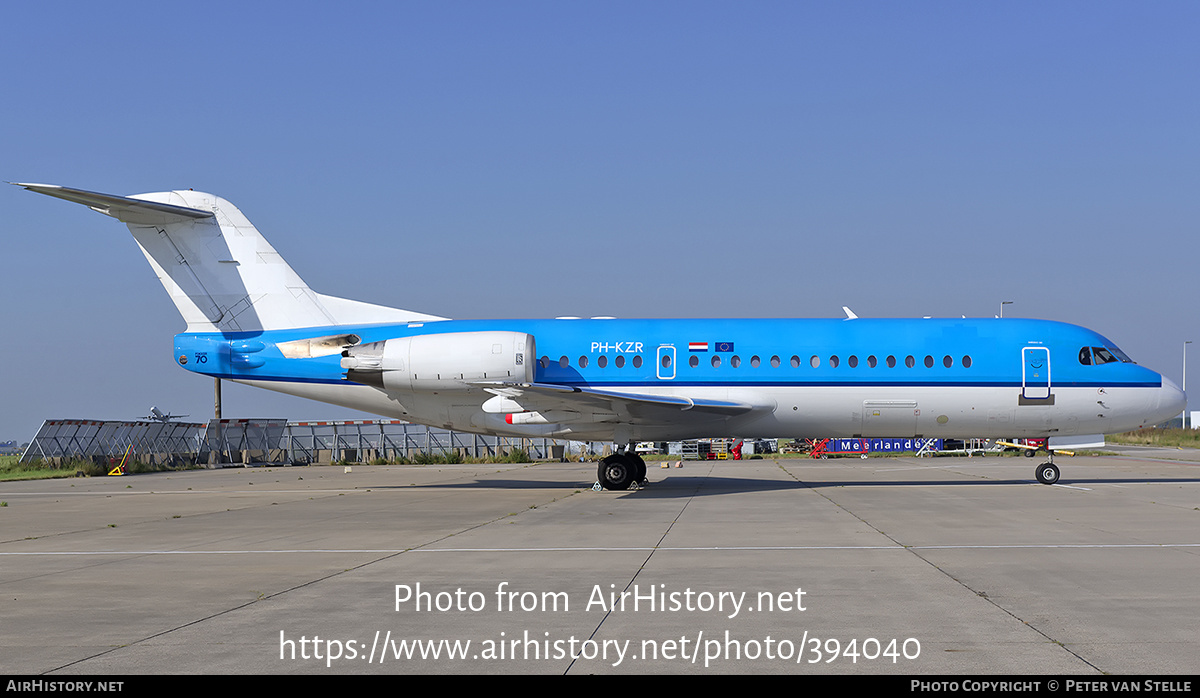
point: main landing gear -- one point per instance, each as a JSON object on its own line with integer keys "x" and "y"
{"x": 620, "y": 471}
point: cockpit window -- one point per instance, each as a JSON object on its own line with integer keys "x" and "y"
{"x": 1094, "y": 356}
{"x": 1121, "y": 355}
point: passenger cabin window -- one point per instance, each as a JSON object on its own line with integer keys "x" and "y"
{"x": 637, "y": 361}
{"x": 694, "y": 361}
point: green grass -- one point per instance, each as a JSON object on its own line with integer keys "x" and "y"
{"x": 1167, "y": 438}
{"x": 10, "y": 469}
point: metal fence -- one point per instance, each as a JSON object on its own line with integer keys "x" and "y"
{"x": 89, "y": 439}
{"x": 367, "y": 440}
{"x": 280, "y": 441}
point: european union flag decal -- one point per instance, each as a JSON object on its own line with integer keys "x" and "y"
{"x": 724, "y": 346}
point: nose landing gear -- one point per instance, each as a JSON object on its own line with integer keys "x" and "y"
{"x": 1047, "y": 473}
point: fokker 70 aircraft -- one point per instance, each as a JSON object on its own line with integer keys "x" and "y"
{"x": 250, "y": 318}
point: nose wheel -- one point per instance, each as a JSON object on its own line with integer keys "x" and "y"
{"x": 1047, "y": 473}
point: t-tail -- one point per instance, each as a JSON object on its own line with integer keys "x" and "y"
{"x": 219, "y": 270}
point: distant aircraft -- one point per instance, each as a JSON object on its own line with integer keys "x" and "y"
{"x": 250, "y": 318}
{"x": 157, "y": 415}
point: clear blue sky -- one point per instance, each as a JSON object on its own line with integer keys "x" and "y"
{"x": 516, "y": 159}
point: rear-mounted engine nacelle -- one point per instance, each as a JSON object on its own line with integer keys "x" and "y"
{"x": 447, "y": 361}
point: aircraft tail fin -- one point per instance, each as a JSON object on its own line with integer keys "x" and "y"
{"x": 221, "y": 273}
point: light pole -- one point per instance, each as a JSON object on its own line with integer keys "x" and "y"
{"x": 1183, "y": 417}
{"x": 1002, "y": 304}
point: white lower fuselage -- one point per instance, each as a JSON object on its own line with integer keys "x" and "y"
{"x": 799, "y": 412}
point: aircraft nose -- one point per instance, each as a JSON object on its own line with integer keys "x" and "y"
{"x": 1171, "y": 399}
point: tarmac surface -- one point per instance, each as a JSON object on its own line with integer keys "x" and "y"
{"x": 883, "y": 565}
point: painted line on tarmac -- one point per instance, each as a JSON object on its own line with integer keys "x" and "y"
{"x": 783, "y": 548}
{"x": 149, "y": 492}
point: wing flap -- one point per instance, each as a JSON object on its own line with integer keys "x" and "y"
{"x": 639, "y": 408}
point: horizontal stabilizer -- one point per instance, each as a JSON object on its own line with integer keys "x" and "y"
{"x": 123, "y": 208}
{"x": 220, "y": 272}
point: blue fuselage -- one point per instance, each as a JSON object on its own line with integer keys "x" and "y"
{"x": 727, "y": 352}
{"x": 945, "y": 372}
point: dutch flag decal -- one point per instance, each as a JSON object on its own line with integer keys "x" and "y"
{"x": 697, "y": 346}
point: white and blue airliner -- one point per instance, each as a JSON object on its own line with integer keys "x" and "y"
{"x": 252, "y": 319}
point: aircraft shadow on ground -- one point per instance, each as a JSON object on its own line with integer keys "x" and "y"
{"x": 707, "y": 486}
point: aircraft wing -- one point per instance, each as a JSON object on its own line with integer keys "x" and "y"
{"x": 626, "y": 407}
